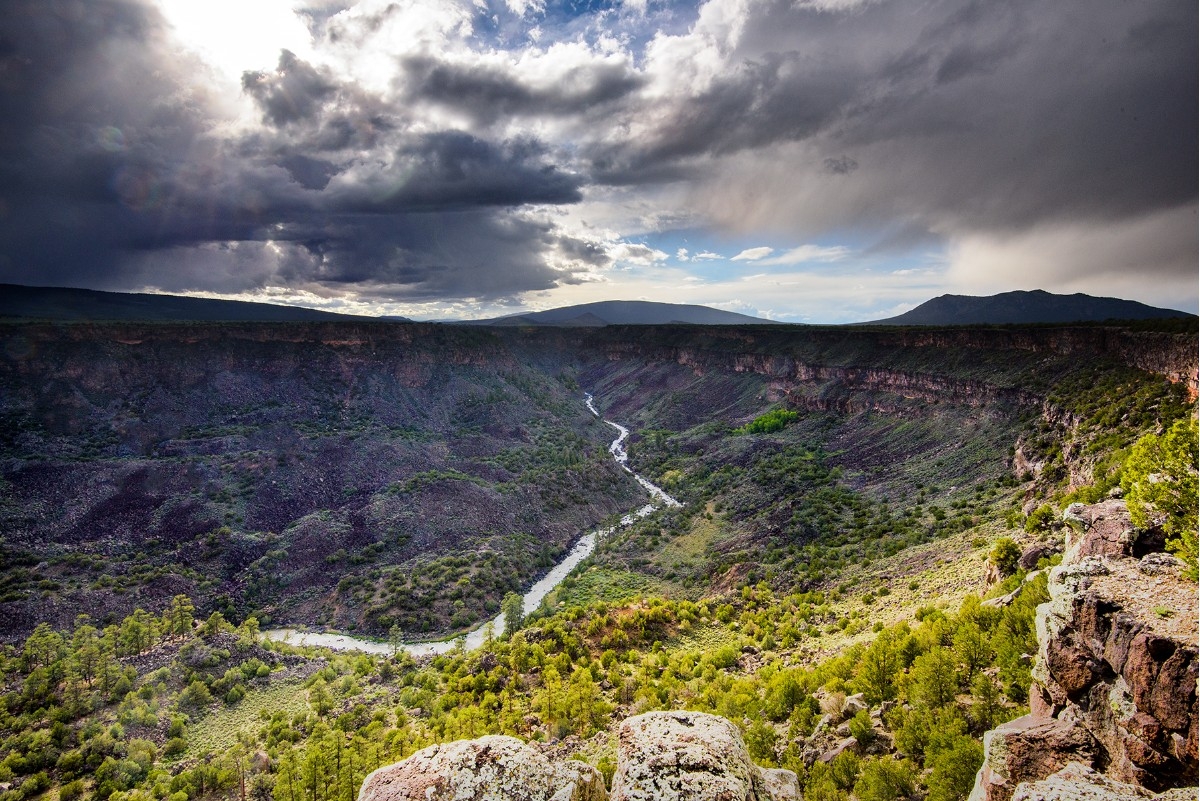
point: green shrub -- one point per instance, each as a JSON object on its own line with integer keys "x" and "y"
{"x": 769, "y": 423}
{"x": 1040, "y": 519}
{"x": 861, "y": 727}
{"x": 71, "y": 790}
{"x": 195, "y": 696}
{"x": 886, "y": 780}
{"x": 953, "y": 768}
{"x": 1004, "y": 555}
{"x": 1160, "y": 483}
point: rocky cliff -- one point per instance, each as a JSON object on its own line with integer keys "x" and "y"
{"x": 818, "y": 352}
{"x": 1115, "y": 682}
{"x": 661, "y": 756}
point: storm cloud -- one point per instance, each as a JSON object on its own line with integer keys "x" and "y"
{"x": 427, "y": 151}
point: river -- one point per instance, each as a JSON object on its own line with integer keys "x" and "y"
{"x": 533, "y": 598}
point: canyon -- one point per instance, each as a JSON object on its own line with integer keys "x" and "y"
{"x": 239, "y": 463}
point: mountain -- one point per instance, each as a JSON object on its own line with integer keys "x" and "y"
{"x": 1025, "y": 307}
{"x": 625, "y": 312}
{"x": 64, "y": 303}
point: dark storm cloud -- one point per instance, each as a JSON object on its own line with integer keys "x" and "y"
{"x": 452, "y": 169}
{"x": 770, "y": 98}
{"x": 487, "y": 93}
{"x": 440, "y": 255}
{"x": 295, "y": 91}
{"x": 114, "y": 175}
{"x": 911, "y": 123}
{"x": 472, "y": 253}
{"x": 87, "y": 163}
{"x": 979, "y": 115}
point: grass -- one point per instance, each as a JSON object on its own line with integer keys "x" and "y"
{"x": 597, "y": 583}
{"x": 704, "y": 639}
{"x": 218, "y": 730}
{"x": 692, "y": 550}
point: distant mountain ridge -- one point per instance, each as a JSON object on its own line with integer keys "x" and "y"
{"x": 1026, "y": 307}
{"x": 62, "y": 303}
{"x": 625, "y": 312}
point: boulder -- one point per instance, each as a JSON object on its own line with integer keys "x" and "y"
{"x": 494, "y": 767}
{"x": 854, "y": 704}
{"x": 1037, "y": 552}
{"x": 844, "y": 745}
{"x": 992, "y": 575}
{"x": 781, "y": 785}
{"x": 1104, "y": 529}
{"x": 1028, "y": 749}
{"x": 690, "y": 756}
{"x": 1078, "y": 782}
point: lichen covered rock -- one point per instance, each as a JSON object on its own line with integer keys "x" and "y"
{"x": 1118, "y": 655}
{"x": 662, "y": 756}
{"x": 690, "y": 756}
{"x": 1028, "y": 748}
{"x": 492, "y": 767}
{"x": 1078, "y": 782}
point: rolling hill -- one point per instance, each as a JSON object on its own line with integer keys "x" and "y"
{"x": 625, "y": 312}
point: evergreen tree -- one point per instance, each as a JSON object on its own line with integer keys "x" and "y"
{"x": 513, "y": 609}
{"x": 1160, "y": 483}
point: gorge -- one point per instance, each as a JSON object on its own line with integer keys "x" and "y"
{"x": 833, "y": 499}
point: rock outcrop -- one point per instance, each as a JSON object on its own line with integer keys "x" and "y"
{"x": 1115, "y": 681}
{"x": 1078, "y": 782}
{"x": 492, "y": 767}
{"x": 662, "y": 756}
{"x": 669, "y": 756}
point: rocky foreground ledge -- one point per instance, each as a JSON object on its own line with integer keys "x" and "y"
{"x": 661, "y": 756}
{"x": 1114, "y": 696}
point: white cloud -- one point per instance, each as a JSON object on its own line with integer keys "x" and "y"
{"x": 809, "y": 253}
{"x": 523, "y": 7}
{"x": 753, "y": 254}
{"x": 630, "y": 253}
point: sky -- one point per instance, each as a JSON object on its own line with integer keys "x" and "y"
{"x": 818, "y": 161}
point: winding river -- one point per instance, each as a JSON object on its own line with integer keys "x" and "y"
{"x": 532, "y": 599}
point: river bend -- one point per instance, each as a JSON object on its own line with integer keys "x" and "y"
{"x": 582, "y": 549}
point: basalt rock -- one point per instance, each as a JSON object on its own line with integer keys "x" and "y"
{"x": 1031, "y": 747}
{"x": 1037, "y": 552}
{"x": 1115, "y": 678}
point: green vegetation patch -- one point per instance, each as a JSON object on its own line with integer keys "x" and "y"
{"x": 769, "y": 423}
{"x": 593, "y": 583}
{"x": 219, "y": 729}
